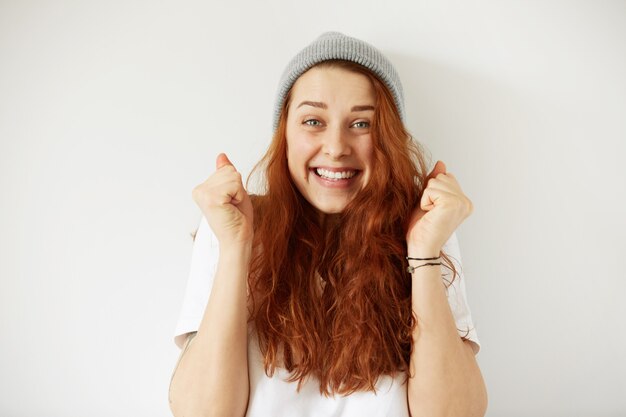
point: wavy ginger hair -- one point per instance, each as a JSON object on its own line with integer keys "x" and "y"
{"x": 360, "y": 326}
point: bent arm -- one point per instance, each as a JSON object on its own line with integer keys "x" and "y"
{"x": 211, "y": 376}
{"x": 445, "y": 379}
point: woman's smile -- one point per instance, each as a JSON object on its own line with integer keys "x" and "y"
{"x": 335, "y": 177}
{"x": 329, "y": 143}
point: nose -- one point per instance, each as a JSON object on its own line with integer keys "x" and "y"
{"x": 335, "y": 143}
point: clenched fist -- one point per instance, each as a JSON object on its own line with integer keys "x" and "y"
{"x": 443, "y": 207}
{"x": 226, "y": 204}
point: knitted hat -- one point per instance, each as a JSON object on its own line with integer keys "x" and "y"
{"x": 336, "y": 45}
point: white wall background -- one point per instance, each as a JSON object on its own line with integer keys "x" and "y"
{"x": 111, "y": 112}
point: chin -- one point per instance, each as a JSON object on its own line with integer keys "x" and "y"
{"x": 336, "y": 211}
{"x": 330, "y": 208}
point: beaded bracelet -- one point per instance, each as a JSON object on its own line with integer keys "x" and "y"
{"x": 410, "y": 268}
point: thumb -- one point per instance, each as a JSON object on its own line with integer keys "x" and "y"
{"x": 222, "y": 161}
{"x": 439, "y": 168}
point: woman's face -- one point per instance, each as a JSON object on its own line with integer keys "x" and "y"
{"x": 329, "y": 143}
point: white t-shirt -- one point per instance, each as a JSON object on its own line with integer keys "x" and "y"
{"x": 274, "y": 396}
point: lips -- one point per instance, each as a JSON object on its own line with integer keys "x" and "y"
{"x": 336, "y": 169}
{"x": 335, "y": 173}
{"x": 339, "y": 177}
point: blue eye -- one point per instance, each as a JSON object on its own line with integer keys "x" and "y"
{"x": 366, "y": 124}
{"x": 306, "y": 122}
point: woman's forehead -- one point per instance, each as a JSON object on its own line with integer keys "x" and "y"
{"x": 332, "y": 85}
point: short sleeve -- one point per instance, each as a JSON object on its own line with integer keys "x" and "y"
{"x": 457, "y": 297}
{"x": 204, "y": 256}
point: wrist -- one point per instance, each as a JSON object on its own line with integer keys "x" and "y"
{"x": 423, "y": 251}
{"x": 236, "y": 250}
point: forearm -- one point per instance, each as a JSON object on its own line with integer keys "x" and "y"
{"x": 212, "y": 375}
{"x": 445, "y": 378}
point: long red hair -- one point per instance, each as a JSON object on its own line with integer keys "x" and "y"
{"x": 360, "y": 326}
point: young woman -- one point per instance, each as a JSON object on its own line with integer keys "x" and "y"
{"x": 336, "y": 291}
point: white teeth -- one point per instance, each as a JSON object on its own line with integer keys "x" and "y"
{"x": 335, "y": 175}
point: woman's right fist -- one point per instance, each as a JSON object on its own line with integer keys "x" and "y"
{"x": 226, "y": 204}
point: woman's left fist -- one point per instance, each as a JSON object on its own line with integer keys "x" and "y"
{"x": 442, "y": 208}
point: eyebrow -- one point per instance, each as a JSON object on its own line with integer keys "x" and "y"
{"x": 321, "y": 105}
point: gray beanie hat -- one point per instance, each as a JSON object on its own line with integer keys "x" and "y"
{"x": 336, "y": 45}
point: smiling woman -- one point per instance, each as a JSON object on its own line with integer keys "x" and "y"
{"x": 329, "y": 142}
{"x": 338, "y": 291}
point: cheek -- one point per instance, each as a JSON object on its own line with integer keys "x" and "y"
{"x": 290, "y": 155}
{"x": 299, "y": 148}
{"x": 293, "y": 162}
{"x": 292, "y": 168}
{"x": 366, "y": 153}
